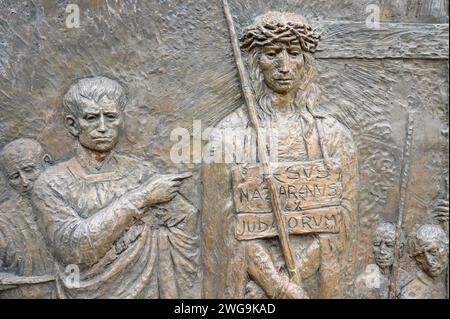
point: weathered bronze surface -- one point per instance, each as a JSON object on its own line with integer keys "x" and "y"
{"x": 224, "y": 149}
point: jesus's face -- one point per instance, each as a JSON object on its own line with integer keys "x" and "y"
{"x": 282, "y": 65}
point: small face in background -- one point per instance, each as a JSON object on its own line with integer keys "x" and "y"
{"x": 384, "y": 245}
{"x": 282, "y": 66}
{"x": 431, "y": 249}
{"x": 23, "y": 160}
{"x": 99, "y": 124}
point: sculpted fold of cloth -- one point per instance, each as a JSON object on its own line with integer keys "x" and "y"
{"x": 281, "y": 67}
{"x": 126, "y": 227}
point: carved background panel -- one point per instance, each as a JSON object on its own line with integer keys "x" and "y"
{"x": 176, "y": 60}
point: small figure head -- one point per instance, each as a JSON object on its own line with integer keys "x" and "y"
{"x": 22, "y": 161}
{"x": 281, "y": 47}
{"x": 429, "y": 246}
{"x": 94, "y": 112}
{"x": 384, "y": 244}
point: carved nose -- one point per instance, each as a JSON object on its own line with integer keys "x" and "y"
{"x": 284, "y": 69}
{"x": 25, "y": 180}
{"x": 101, "y": 126}
{"x": 430, "y": 259}
{"x": 284, "y": 63}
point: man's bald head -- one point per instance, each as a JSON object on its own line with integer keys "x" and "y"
{"x": 22, "y": 161}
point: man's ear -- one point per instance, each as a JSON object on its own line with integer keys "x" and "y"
{"x": 47, "y": 159}
{"x": 72, "y": 125}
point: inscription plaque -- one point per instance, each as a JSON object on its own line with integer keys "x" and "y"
{"x": 299, "y": 186}
{"x": 309, "y": 193}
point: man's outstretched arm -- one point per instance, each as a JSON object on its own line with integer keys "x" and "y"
{"x": 82, "y": 241}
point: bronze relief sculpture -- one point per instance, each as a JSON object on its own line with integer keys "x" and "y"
{"x": 322, "y": 172}
{"x": 26, "y": 263}
{"x": 374, "y": 282}
{"x": 314, "y": 146}
{"x": 429, "y": 248}
{"x": 113, "y": 215}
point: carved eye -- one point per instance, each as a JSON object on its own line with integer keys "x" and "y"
{"x": 294, "y": 53}
{"x": 28, "y": 169}
{"x": 14, "y": 176}
{"x": 271, "y": 54}
{"x": 90, "y": 118}
{"x": 111, "y": 116}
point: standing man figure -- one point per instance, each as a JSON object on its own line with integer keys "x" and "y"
{"x": 119, "y": 225}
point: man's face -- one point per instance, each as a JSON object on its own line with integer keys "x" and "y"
{"x": 431, "y": 256}
{"x": 99, "y": 124}
{"x": 282, "y": 65}
{"x": 22, "y": 170}
{"x": 383, "y": 248}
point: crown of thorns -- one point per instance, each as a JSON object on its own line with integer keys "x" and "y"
{"x": 261, "y": 35}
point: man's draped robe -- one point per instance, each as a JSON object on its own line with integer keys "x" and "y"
{"x": 239, "y": 269}
{"x": 23, "y": 251}
{"x": 422, "y": 286}
{"x": 374, "y": 284}
{"x": 155, "y": 256}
